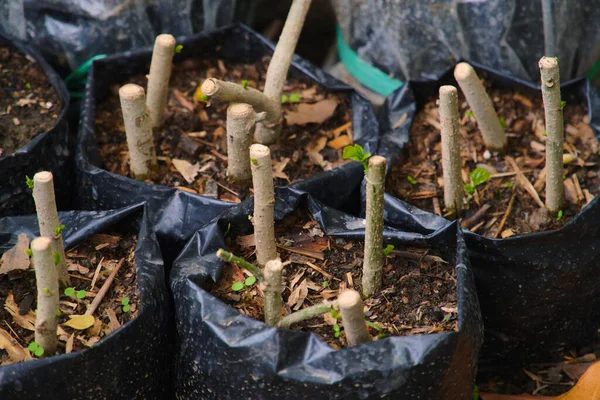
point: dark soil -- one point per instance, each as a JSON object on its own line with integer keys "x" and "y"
{"x": 524, "y": 119}
{"x": 195, "y": 132}
{"x": 29, "y": 105}
{"x": 418, "y": 296}
{"x": 83, "y": 262}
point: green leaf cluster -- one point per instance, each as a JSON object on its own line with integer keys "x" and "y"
{"x": 388, "y": 250}
{"x": 357, "y": 153}
{"x": 292, "y": 98}
{"x": 478, "y": 177}
{"x": 237, "y": 286}
{"x": 125, "y": 304}
{"x": 35, "y": 349}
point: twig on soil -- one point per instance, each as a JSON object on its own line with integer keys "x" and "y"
{"x": 240, "y": 262}
{"x": 306, "y": 313}
{"x": 477, "y": 217}
{"x": 525, "y": 182}
{"x": 104, "y": 289}
{"x": 507, "y": 213}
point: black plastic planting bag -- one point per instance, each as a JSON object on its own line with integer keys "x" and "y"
{"x": 413, "y": 40}
{"x": 133, "y": 362}
{"x": 50, "y": 151}
{"x": 70, "y": 32}
{"x": 226, "y": 355}
{"x": 100, "y": 189}
{"x": 538, "y": 292}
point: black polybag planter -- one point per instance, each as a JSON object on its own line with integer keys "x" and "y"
{"x": 101, "y": 189}
{"x": 134, "y": 361}
{"x": 225, "y": 355}
{"x": 538, "y": 292}
{"x": 48, "y": 151}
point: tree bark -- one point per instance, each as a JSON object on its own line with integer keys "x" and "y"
{"x": 273, "y": 281}
{"x": 482, "y": 107}
{"x": 264, "y": 203}
{"x": 353, "y": 318}
{"x": 158, "y": 78}
{"x": 280, "y": 64}
{"x": 240, "y": 123}
{"x": 373, "y": 263}
{"x": 138, "y": 129}
{"x": 45, "y": 207}
{"x": 46, "y": 276}
{"x": 555, "y": 135}
{"x": 451, "y": 161}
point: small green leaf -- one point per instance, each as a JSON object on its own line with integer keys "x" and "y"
{"x": 244, "y": 83}
{"x": 56, "y": 258}
{"x": 476, "y": 393}
{"x": 509, "y": 184}
{"x": 294, "y": 98}
{"x": 544, "y": 134}
{"x": 228, "y": 228}
{"x": 69, "y": 292}
{"x": 335, "y": 314}
{"x": 447, "y": 318}
{"x": 502, "y": 122}
{"x": 237, "y": 286}
{"x": 336, "y": 334}
{"x": 469, "y": 113}
{"x": 336, "y": 327}
{"x": 388, "y": 250}
{"x": 251, "y": 280}
{"x": 125, "y": 301}
{"x": 59, "y": 230}
{"x": 33, "y": 346}
{"x": 81, "y": 294}
{"x": 556, "y": 58}
{"x": 374, "y": 325}
{"x": 39, "y": 352}
{"x": 58, "y": 313}
{"x": 29, "y": 252}
{"x": 469, "y": 189}
{"x": 325, "y": 283}
{"x": 28, "y": 85}
{"x": 412, "y": 180}
{"x": 126, "y": 308}
{"x": 204, "y": 98}
{"x": 560, "y": 215}
{"x": 29, "y": 182}
{"x": 563, "y": 104}
{"x": 284, "y": 98}
{"x": 178, "y": 48}
{"x": 253, "y": 160}
{"x": 479, "y": 176}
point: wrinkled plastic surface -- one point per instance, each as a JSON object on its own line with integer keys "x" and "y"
{"x": 69, "y": 32}
{"x": 101, "y": 189}
{"x": 50, "y": 151}
{"x": 225, "y": 355}
{"x": 133, "y": 362}
{"x": 414, "y": 40}
{"x": 538, "y": 292}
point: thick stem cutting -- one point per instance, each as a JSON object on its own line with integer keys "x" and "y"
{"x": 264, "y": 203}
{"x": 46, "y": 276}
{"x": 555, "y": 135}
{"x": 240, "y": 262}
{"x": 306, "y": 313}
{"x": 266, "y": 132}
{"x": 273, "y": 282}
{"x": 49, "y": 224}
{"x": 482, "y": 107}
{"x": 451, "y": 161}
{"x": 158, "y": 78}
{"x": 353, "y": 318}
{"x": 240, "y": 124}
{"x": 138, "y": 129}
{"x": 373, "y": 263}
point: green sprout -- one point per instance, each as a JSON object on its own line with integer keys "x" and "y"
{"x": 125, "y": 304}
{"x": 388, "y": 250}
{"x": 412, "y": 180}
{"x": 502, "y": 122}
{"x": 469, "y": 113}
{"x": 284, "y": 98}
{"x": 28, "y": 86}
{"x": 56, "y": 258}
{"x": 69, "y": 292}
{"x": 478, "y": 176}
{"x": 509, "y": 184}
{"x": 544, "y": 134}
{"x": 228, "y": 228}
{"x": 81, "y": 294}
{"x": 29, "y": 252}
{"x": 59, "y": 230}
{"x": 560, "y": 215}
{"x": 237, "y": 286}
{"x": 335, "y": 314}
{"x": 245, "y": 84}
{"x": 292, "y": 98}
{"x": 46, "y": 290}
{"x": 253, "y": 160}
{"x": 379, "y": 329}
{"x": 29, "y": 182}
{"x": 336, "y": 330}
{"x": 178, "y": 48}
{"x": 35, "y": 349}
{"x": 563, "y": 104}
{"x": 476, "y": 388}
{"x": 58, "y": 313}
{"x": 356, "y": 152}
{"x": 325, "y": 284}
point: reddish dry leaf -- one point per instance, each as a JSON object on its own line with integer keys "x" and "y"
{"x": 181, "y": 99}
{"x": 316, "y": 113}
{"x": 16, "y": 258}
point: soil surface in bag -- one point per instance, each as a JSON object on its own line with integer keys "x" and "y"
{"x": 509, "y": 197}
{"x": 125, "y": 354}
{"x": 19, "y": 295}
{"x": 192, "y": 148}
{"x": 29, "y": 103}
{"x": 287, "y": 363}
{"x": 418, "y": 294}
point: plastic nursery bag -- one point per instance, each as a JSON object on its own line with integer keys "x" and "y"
{"x": 50, "y": 151}
{"x": 224, "y": 354}
{"x": 133, "y": 362}
{"x": 415, "y": 40}
{"x": 537, "y": 292}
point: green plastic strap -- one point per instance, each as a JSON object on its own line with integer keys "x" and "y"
{"x": 369, "y": 76}
{"x": 78, "y": 78}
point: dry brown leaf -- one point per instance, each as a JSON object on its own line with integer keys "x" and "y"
{"x": 186, "y": 169}
{"x": 181, "y": 99}
{"x": 16, "y": 258}
{"x": 316, "y": 158}
{"x": 329, "y": 320}
{"x": 506, "y": 233}
{"x": 101, "y": 238}
{"x": 316, "y": 113}
{"x": 69, "y": 345}
{"x": 340, "y": 142}
{"x": 298, "y": 296}
{"x": 245, "y": 241}
{"x": 80, "y": 322}
{"x": 26, "y": 321}
{"x": 112, "y": 317}
{"x": 15, "y": 351}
